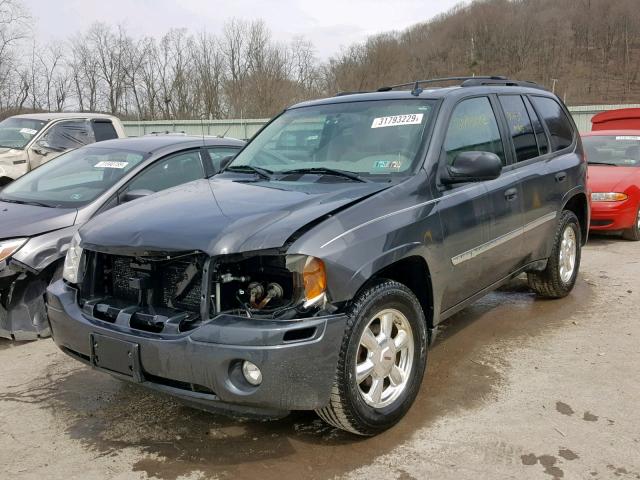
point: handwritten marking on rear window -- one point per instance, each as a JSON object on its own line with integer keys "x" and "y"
{"x": 111, "y": 164}
{"x": 627, "y": 137}
{"x": 28, "y": 131}
{"x": 396, "y": 120}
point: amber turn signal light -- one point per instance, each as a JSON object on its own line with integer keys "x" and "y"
{"x": 315, "y": 278}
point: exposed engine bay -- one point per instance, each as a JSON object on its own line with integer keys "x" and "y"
{"x": 175, "y": 293}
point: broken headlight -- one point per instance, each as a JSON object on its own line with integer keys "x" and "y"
{"x": 73, "y": 261}
{"x": 274, "y": 285}
{"x": 9, "y": 247}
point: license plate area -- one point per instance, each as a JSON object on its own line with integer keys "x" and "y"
{"x": 116, "y": 356}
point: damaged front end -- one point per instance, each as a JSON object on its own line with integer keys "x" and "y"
{"x": 23, "y": 314}
{"x": 178, "y": 292}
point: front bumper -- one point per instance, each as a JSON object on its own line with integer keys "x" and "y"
{"x": 613, "y": 216}
{"x": 202, "y": 366}
{"x": 13, "y": 168}
{"x": 23, "y": 315}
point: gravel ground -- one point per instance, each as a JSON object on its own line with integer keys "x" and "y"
{"x": 516, "y": 387}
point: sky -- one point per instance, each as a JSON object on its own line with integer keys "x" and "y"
{"x": 329, "y": 24}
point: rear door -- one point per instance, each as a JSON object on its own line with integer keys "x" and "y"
{"x": 546, "y": 176}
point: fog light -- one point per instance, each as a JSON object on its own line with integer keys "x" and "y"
{"x": 252, "y": 373}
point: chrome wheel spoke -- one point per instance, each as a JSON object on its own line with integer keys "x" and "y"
{"x": 369, "y": 340}
{"x": 401, "y": 340}
{"x": 375, "y": 393}
{"x": 396, "y": 376}
{"x": 363, "y": 370}
{"x": 386, "y": 324}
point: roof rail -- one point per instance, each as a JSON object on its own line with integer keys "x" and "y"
{"x": 340, "y": 94}
{"x": 464, "y": 82}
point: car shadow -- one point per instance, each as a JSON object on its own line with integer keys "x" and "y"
{"x": 106, "y": 415}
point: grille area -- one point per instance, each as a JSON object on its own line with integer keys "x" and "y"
{"x": 156, "y": 294}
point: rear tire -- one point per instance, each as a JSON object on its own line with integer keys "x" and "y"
{"x": 381, "y": 362}
{"x": 633, "y": 233}
{"x": 559, "y": 277}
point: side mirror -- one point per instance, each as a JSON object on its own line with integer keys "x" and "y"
{"x": 136, "y": 194}
{"x": 472, "y": 167}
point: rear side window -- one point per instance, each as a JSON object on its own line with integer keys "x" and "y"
{"x": 473, "y": 127}
{"x": 557, "y": 122}
{"x": 541, "y": 136}
{"x": 103, "y": 130}
{"x": 520, "y": 128}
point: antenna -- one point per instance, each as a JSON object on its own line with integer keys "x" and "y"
{"x": 225, "y": 132}
{"x": 416, "y": 89}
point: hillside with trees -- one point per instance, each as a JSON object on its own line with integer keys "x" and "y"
{"x": 588, "y": 50}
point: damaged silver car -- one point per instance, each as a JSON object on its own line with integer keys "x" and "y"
{"x": 41, "y": 211}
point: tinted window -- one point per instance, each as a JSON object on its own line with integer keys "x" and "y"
{"x": 557, "y": 122}
{"x": 75, "y": 178}
{"x": 541, "y": 136}
{"x": 218, "y": 154}
{"x": 103, "y": 130}
{"x": 66, "y": 135}
{"x": 473, "y": 127}
{"x": 520, "y": 127}
{"x": 167, "y": 173}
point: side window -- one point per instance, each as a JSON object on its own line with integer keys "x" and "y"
{"x": 218, "y": 154}
{"x": 557, "y": 122}
{"x": 68, "y": 134}
{"x": 520, "y": 128}
{"x": 103, "y": 130}
{"x": 473, "y": 127}
{"x": 541, "y": 136}
{"x": 169, "y": 172}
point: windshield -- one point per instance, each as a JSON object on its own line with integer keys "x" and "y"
{"x": 18, "y": 132}
{"x": 74, "y": 178}
{"x": 372, "y": 139}
{"x": 618, "y": 150}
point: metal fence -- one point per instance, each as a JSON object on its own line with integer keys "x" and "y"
{"x": 246, "y": 128}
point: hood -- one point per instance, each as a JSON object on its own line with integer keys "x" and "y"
{"x": 219, "y": 216}
{"x": 607, "y": 178}
{"x": 28, "y": 220}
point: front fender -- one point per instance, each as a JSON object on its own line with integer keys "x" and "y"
{"x": 45, "y": 249}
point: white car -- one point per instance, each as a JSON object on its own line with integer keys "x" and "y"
{"x": 27, "y": 141}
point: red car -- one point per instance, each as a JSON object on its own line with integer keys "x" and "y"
{"x": 614, "y": 180}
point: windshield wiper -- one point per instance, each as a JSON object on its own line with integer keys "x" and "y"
{"x": 26, "y": 202}
{"x": 263, "y": 172}
{"x": 328, "y": 171}
{"x": 603, "y": 163}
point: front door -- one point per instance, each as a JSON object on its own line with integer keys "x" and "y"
{"x": 477, "y": 218}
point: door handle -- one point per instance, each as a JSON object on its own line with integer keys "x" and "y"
{"x": 561, "y": 177}
{"x": 511, "y": 194}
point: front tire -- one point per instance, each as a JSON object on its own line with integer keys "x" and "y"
{"x": 559, "y": 277}
{"x": 381, "y": 362}
{"x": 633, "y": 233}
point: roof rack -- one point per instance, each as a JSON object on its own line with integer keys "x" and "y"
{"x": 464, "y": 82}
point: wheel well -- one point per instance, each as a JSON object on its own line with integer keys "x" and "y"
{"x": 5, "y": 181}
{"x": 413, "y": 272}
{"x": 578, "y": 204}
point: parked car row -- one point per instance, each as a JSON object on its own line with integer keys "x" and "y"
{"x": 313, "y": 270}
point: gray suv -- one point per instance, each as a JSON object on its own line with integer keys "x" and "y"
{"x": 314, "y": 271}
